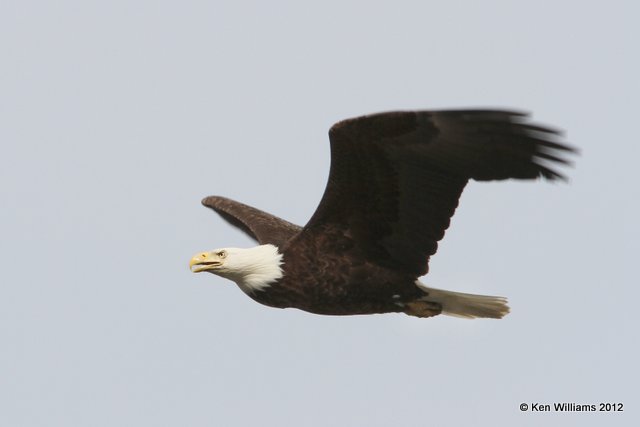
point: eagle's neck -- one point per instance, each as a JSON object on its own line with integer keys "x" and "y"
{"x": 256, "y": 268}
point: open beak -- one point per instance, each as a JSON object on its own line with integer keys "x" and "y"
{"x": 204, "y": 261}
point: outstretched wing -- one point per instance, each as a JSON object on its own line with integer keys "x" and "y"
{"x": 396, "y": 177}
{"x": 260, "y": 226}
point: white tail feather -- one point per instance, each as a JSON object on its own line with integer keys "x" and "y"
{"x": 467, "y": 305}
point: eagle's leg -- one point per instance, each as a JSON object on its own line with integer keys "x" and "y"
{"x": 422, "y": 308}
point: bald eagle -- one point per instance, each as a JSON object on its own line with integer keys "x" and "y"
{"x": 394, "y": 184}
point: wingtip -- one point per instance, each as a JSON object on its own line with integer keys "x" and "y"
{"x": 209, "y": 200}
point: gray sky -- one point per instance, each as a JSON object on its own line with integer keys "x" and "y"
{"x": 119, "y": 116}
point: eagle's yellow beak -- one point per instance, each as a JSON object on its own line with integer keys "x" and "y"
{"x": 205, "y": 261}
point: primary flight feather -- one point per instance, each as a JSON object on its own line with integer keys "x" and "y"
{"x": 394, "y": 185}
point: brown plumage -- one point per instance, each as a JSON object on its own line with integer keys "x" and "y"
{"x": 394, "y": 185}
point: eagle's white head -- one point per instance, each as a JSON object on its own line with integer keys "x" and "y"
{"x": 252, "y": 269}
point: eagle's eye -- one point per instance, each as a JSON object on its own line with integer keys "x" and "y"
{"x": 222, "y": 254}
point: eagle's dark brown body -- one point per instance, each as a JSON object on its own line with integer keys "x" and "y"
{"x": 394, "y": 185}
{"x": 326, "y": 273}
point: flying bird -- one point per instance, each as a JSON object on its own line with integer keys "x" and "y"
{"x": 393, "y": 186}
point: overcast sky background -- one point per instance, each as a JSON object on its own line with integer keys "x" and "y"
{"x": 118, "y": 117}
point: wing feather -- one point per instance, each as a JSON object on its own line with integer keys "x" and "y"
{"x": 396, "y": 177}
{"x": 259, "y": 225}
